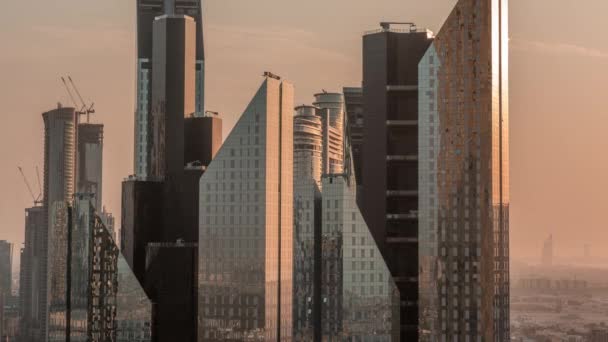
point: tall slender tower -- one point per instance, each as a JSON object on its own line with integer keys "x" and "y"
{"x": 147, "y": 12}
{"x": 464, "y": 177}
{"x": 389, "y": 169}
{"x": 246, "y": 225}
{"x": 60, "y": 137}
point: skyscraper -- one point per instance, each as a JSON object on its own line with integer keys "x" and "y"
{"x": 60, "y": 132}
{"x": 389, "y": 197}
{"x": 308, "y": 167}
{"x": 246, "y": 225}
{"x": 93, "y": 297}
{"x": 6, "y": 268}
{"x": 30, "y": 273}
{"x": 359, "y": 299}
{"x": 6, "y": 264}
{"x": 147, "y": 12}
{"x": 464, "y": 176}
{"x": 90, "y": 161}
{"x": 160, "y": 202}
{"x": 331, "y": 110}
{"x": 353, "y": 102}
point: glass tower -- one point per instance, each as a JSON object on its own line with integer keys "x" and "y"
{"x": 464, "y": 177}
{"x": 147, "y": 11}
{"x": 246, "y": 225}
{"x": 93, "y": 294}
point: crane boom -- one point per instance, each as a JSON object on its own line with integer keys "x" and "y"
{"x": 39, "y": 184}
{"x": 85, "y": 109}
{"x": 69, "y": 92}
{"x": 29, "y": 188}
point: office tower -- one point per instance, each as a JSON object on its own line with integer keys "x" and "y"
{"x": 93, "y": 297}
{"x": 464, "y": 182}
{"x": 246, "y": 225}
{"x": 360, "y": 300}
{"x": 147, "y": 12}
{"x": 90, "y": 161}
{"x": 547, "y": 254}
{"x": 172, "y": 89}
{"x": 30, "y": 273}
{"x": 160, "y": 206}
{"x": 307, "y": 172}
{"x": 353, "y": 102}
{"x": 6, "y": 264}
{"x": 389, "y": 197}
{"x": 331, "y": 110}
{"x": 60, "y": 132}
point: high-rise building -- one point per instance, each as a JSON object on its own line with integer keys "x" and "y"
{"x": 389, "y": 168}
{"x": 464, "y": 177}
{"x": 6, "y": 264}
{"x": 90, "y": 161}
{"x": 60, "y": 132}
{"x": 92, "y": 295}
{"x": 160, "y": 203}
{"x": 6, "y": 271}
{"x": 547, "y": 253}
{"x": 246, "y": 225}
{"x": 353, "y": 102}
{"x": 360, "y": 301}
{"x": 307, "y": 171}
{"x": 331, "y": 110}
{"x": 147, "y": 12}
{"x": 30, "y": 273}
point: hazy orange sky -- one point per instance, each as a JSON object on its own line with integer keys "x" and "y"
{"x": 559, "y": 73}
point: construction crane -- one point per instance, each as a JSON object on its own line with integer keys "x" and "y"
{"x": 84, "y": 109}
{"x": 386, "y": 25}
{"x": 36, "y": 199}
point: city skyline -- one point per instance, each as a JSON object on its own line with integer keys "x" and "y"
{"x": 534, "y": 50}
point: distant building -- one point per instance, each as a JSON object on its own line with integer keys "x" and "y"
{"x": 599, "y": 335}
{"x": 547, "y": 255}
{"x": 93, "y": 295}
{"x": 6, "y": 264}
{"x": 331, "y": 111}
{"x": 30, "y": 273}
{"x": 60, "y": 132}
{"x": 246, "y": 225}
{"x": 90, "y": 161}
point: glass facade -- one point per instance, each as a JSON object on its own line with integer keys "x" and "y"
{"x": 93, "y": 294}
{"x": 246, "y": 225}
{"x": 360, "y": 301}
{"x": 463, "y": 175}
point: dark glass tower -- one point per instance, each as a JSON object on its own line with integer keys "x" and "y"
{"x": 176, "y": 141}
{"x": 389, "y": 169}
{"x": 147, "y": 11}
